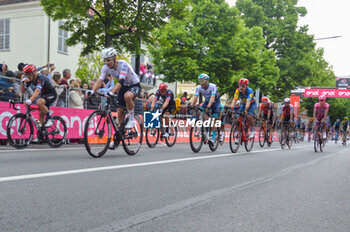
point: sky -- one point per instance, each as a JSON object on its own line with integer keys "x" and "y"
{"x": 327, "y": 18}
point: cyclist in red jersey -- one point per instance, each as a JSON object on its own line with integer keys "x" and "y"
{"x": 321, "y": 109}
{"x": 266, "y": 108}
{"x": 287, "y": 114}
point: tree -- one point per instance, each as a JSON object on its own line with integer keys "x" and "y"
{"x": 118, "y": 23}
{"x": 89, "y": 67}
{"x": 297, "y": 58}
{"x": 213, "y": 39}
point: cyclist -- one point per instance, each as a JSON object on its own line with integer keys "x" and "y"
{"x": 266, "y": 109}
{"x": 303, "y": 130}
{"x": 321, "y": 109}
{"x": 128, "y": 86}
{"x": 248, "y": 106}
{"x": 344, "y": 127}
{"x": 44, "y": 88}
{"x": 287, "y": 115}
{"x": 336, "y": 126}
{"x": 212, "y": 100}
{"x": 168, "y": 107}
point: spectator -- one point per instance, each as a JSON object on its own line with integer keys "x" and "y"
{"x": 91, "y": 84}
{"x": 56, "y": 77}
{"x": 20, "y": 66}
{"x": 154, "y": 77}
{"x": 78, "y": 80}
{"x": 70, "y": 82}
{"x": 85, "y": 86}
{"x": 3, "y": 68}
{"x": 149, "y": 66}
{"x": 143, "y": 70}
{"x": 64, "y": 82}
{"x": 76, "y": 97}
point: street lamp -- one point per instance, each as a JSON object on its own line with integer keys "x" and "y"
{"x": 332, "y": 37}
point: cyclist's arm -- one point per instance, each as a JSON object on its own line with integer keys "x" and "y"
{"x": 315, "y": 110}
{"x": 24, "y": 82}
{"x": 35, "y": 94}
{"x": 166, "y": 103}
{"x": 268, "y": 114}
{"x": 211, "y": 101}
{"x": 259, "y": 113}
{"x": 194, "y": 100}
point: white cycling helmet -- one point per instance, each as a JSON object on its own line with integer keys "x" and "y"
{"x": 108, "y": 53}
{"x": 287, "y": 100}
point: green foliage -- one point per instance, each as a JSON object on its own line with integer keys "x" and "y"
{"x": 213, "y": 39}
{"x": 118, "y": 23}
{"x": 89, "y": 67}
{"x": 298, "y": 60}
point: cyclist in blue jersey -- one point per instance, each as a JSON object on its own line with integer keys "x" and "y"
{"x": 212, "y": 99}
{"x": 249, "y": 106}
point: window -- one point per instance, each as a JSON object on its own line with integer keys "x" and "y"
{"x": 4, "y": 34}
{"x": 62, "y": 37}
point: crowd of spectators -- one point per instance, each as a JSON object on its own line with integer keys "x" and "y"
{"x": 147, "y": 74}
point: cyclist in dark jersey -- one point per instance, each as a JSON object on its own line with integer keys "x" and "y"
{"x": 169, "y": 105}
{"x": 44, "y": 88}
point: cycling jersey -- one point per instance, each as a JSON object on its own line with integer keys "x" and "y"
{"x": 320, "y": 110}
{"x": 337, "y": 125}
{"x": 43, "y": 84}
{"x": 124, "y": 71}
{"x": 266, "y": 107}
{"x": 248, "y": 96}
{"x": 207, "y": 93}
{"x": 168, "y": 96}
{"x": 344, "y": 125}
{"x": 287, "y": 112}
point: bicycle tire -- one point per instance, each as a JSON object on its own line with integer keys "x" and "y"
{"x": 57, "y": 141}
{"x": 215, "y": 146}
{"x": 235, "y": 135}
{"x": 18, "y": 143}
{"x": 316, "y": 142}
{"x": 149, "y": 133}
{"x": 199, "y": 133}
{"x": 172, "y": 135}
{"x": 249, "y": 143}
{"x": 132, "y": 139}
{"x": 89, "y": 141}
{"x": 262, "y": 137}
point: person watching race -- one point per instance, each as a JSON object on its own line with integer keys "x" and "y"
{"x": 44, "y": 89}
{"x": 128, "y": 86}
{"x": 266, "y": 109}
{"x": 321, "y": 109}
{"x": 212, "y": 100}
{"x": 168, "y": 107}
{"x": 248, "y": 106}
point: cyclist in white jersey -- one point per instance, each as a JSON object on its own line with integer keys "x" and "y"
{"x": 128, "y": 86}
{"x": 212, "y": 99}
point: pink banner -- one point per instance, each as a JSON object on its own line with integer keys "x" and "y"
{"x": 341, "y": 93}
{"x": 75, "y": 118}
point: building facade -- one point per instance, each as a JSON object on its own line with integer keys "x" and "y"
{"x": 28, "y": 35}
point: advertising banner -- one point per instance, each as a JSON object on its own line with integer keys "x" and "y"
{"x": 340, "y": 93}
{"x": 342, "y": 82}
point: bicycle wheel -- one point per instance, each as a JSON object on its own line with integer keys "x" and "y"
{"x": 20, "y": 131}
{"x": 262, "y": 137}
{"x": 56, "y": 134}
{"x": 196, "y": 138}
{"x": 235, "y": 138}
{"x": 214, "y": 146}
{"x": 289, "y": 140}
{"x": 97, "y": 133}
{"x": 269, "y": 137}
{"x": 249, "y": 143}
{"x": 172, "y": 131}
{"x": 282, "y": 139}
{"x": 132, "y": 138}
{"x": 316, "y": 142}
{"x": 152, "y": 137}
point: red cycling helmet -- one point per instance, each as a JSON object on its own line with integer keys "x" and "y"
{"x": 243, "y": 81}
{"x": 264, "y": 99}
{"x": 30, "y": 68}
{"x": 163, "y": 86}
{"x": 322, "y": 98}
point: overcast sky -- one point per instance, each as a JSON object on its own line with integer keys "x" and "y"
{"x": 327, "y": 18}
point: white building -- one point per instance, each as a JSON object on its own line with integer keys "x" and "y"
{"x": 28, "y": 35}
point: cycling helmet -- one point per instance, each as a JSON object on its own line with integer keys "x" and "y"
{"x": 163, "y": 86}
{"x": 243, "y": 81}
{"x": 203, "y": 76}
{"x": 322, "y": 98}
{"x": 287, "y": 100}
{"x": 28, "y": 69}
{"x": 108, "y": 53}
{"x": 345, "y": 118}
{"x": 264, "y": 99}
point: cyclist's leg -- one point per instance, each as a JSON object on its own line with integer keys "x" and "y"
{"x": 215, "y": 110}
{"x": 251, "y": 121}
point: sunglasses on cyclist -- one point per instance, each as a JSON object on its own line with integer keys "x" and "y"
{"x": 203, "y": 81}
{"x": 264, "y": 102}
{"x": 321, "y": 100}
{"x": 242, "y": 86}
{"x": 108, "y": 60}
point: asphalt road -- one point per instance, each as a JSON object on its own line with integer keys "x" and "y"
{"x": 173, "y": 189}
